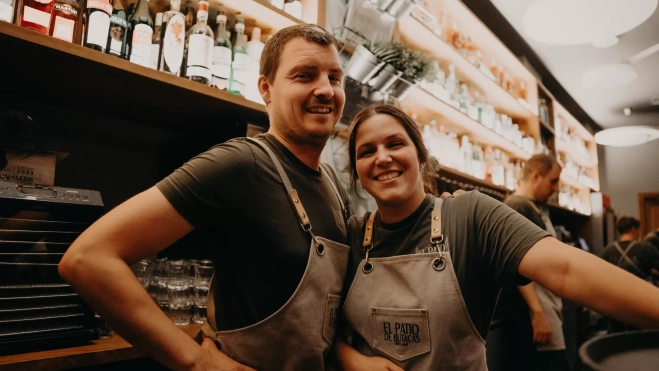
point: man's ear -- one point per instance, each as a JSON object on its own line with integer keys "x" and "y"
{"x": 264, "y": 89}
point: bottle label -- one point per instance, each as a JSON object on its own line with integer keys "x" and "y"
{"x": 97, "y": 29}
{"x": 65, "y": 8}
{"x": 100, "y": 4}
{"x": 240, "y": 66}
{"x": 63, "y": 28}
{"x": 6, "y": 12}
{"x": 140, "y": 50}
{"x": 155, "y": 51}
{"x": 117, "y": 29}
{"x": 198, "y": 71}
{"x": 200, "y": 51}
{"x": 221, "y": 65}
{"x": 115, "y": 20}
{"x": 174, "y": 44}
{"x": 36, "y": 16}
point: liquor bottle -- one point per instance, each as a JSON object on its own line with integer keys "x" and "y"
{"x": 240, "y": 62}
{"x": 294, "y": 8}
{"x": 254, "y": 51}
{"x": 115, "y": 45}
{"x": 7, "y": 10}
{"x": 97, "y": 24}
{"x": 200, "y": 48}
{"x": 139, "y": 35}
{"x": 452, "y": 85}
{"x": 35, "y": 15}
{"x": 155, "y": 42}
{"x": 189, "y": 13}
{"x": 222, "y": 55}
{"x": 65, "y": 21}
{"x": 172, "y": 48}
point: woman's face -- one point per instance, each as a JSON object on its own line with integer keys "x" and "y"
{"x": 387, "y": 162}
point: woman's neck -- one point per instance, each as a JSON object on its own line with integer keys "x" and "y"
{"x": 390, "y": 214}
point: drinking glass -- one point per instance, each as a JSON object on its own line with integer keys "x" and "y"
{"x": 202, "y": 281}
{"x": 179, "y": 283}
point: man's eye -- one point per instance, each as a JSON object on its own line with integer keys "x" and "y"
{"x": 303, "y": 76}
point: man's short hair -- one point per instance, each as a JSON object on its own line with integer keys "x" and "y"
{"x": 541, "y": 163}
{"x": 626, "y": 223}
{"x": 275, "y": 45}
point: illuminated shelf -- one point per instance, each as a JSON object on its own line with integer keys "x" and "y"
{"x": 572, "y": 123}
{"x": 114, "y": 87}
{"x": 417, "y": 36}
{"x": 574, "y": 182}
{"x": 562, "y": 209}
{"x": 428, "y": 107}
{"x": 271, "y": 19}
{"x": 577, "y": 157}
{"x": 466, "y": 178}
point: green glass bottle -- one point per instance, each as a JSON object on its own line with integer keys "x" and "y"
{"x": 240, "y": 64}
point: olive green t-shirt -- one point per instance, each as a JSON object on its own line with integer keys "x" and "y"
{"x": 486, "y": 240}
{"x": 233, "y": 192}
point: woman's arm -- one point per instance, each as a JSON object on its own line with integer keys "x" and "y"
{"x": 586, "y": 279}
{"x": 347, "y": 358}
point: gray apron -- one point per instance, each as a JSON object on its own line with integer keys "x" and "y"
{"x": 299, "y": 335}
{"x": 409, "y": 309}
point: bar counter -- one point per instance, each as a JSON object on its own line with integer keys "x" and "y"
{"x": 98, "y": 352}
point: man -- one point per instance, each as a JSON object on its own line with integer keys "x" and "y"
{"x": 638, "y": 258}
{"x": 528, "y": 318}
{"x": 652, "y": 238}
{"x": 267, "y": 242}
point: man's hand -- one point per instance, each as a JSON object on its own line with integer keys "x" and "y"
{"x": 213, "y": 359}
{"x": 541, "y": 327}
{"x": 365, "y": 363}
{"x": 455, "y": 194}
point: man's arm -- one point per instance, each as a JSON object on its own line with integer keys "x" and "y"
{"x": 97, "y": 266}
{"x": 576, "y": 275}
{"x": 541, "y": 326}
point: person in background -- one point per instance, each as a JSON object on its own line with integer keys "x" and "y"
{"x": 638, "y": 258}
{"x": 527, "y": 329}
{"x": 424, "y": 272}
{"x": 652, "y": 238}
{"x": 274, "y": 214}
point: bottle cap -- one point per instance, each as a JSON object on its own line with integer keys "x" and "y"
{"x": 158, "y": 19}
{"x": 221, "y": 18}
{"x": 239, "y": 26}
{"x": 256, "y": 34}
{"x": 203, "y": 5}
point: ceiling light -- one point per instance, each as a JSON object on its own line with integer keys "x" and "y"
{"x": 609, "y": 76}
{"x": 605, "y": 42}
{"x": 575, "y": 22}
{"x": 627, "y": 111}
{"x": 626, "y": 136}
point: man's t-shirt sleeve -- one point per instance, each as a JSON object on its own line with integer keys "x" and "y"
{"x": 210, "y": 183}
{"x": 505, "y": 235}
{"x": 523, "y": 206}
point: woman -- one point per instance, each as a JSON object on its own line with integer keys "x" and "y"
{"x": 425, "y": 272}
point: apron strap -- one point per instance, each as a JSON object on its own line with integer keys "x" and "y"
{"x": 624, "y": 256}
{"x": 292, "y": 193}
{"x": 436, "y": 235}
{"x": 368, "y": 233}
{"x": 326, "y": 169}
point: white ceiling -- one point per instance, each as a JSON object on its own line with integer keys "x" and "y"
{"x": 568, "y": 63}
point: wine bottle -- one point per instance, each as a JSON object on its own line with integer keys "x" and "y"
{"x": 200, "y": 47}
{"x": 140, "y": 32}
{"x": 240, "y": 63}
{"x": 117, "y": 32}
{"x": 222, "y": 55}
{"x": 189, "y": 13}
{"x": 155, "y": 42}
{"x": 97, "y": 24}
{"x": 35, "y": 15}
{"x": 65, "y": 21}
{"x": 172, "y": 46}
{"x": 7, "y": 10}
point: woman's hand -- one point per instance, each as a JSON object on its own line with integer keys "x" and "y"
{"x": 213, "y": 359}
{"x": 360, "y": 362}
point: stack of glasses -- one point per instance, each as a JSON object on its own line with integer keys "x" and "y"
{"x": 179, "y": 287}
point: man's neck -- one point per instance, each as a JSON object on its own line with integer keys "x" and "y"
{"x": 525, "y": 190}
{"x": 626, "y": 238}
{"x": 308, "y": 154}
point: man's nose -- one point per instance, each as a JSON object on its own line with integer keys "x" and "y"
{"x": 323, "y": 89}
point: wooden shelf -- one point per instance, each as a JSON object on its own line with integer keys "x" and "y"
{"x": 574, "y": 125}
{"x": 466, "y": 178}
{"x": 565, "y": 210}
{"x": 574, "y": 182}
{"x": 58, "y": 72}
{"x": 428, "y": 107}
{"x": 419, "y": 37}
{"x": 97, "y": 352}
{"x": 578, "y": 158}
{"x": 271, "y": 19}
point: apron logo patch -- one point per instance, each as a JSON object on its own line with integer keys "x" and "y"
{"x": 402, "y": 334}
{"x": 333, "y": 318}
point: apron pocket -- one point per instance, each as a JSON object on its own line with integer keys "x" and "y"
{"x": 331, "y": 317}
{"x": 400, "y": 333}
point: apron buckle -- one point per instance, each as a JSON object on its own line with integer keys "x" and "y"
{"x": 439, "y": 264}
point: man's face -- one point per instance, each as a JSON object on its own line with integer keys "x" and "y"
{"x": 546, "y": 185}
{"x": 305, "y": 100}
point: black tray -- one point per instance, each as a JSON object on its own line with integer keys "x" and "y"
{"x": 628, "y": 351}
